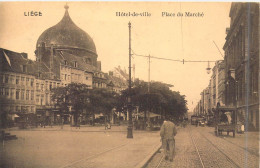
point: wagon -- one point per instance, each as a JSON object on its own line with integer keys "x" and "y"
{"x": 225, "y": 120}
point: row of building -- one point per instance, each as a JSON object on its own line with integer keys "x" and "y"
{"x": 235, "y": 80}
{"x": 64, "y": 54}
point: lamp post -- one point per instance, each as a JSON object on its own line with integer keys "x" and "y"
{"x": 129, "y": 107}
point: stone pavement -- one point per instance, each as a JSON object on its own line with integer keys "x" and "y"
{"x": 223, "y": 151}
{"x": 84, "y": 147}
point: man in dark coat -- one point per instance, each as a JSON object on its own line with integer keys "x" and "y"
{"x": 167, "y": 132}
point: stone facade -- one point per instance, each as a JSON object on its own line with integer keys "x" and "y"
{"x": 235, "y": 81}
{"x": 242, "y": 62}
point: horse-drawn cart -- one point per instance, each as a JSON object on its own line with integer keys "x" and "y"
{"x": 225, "y": 120}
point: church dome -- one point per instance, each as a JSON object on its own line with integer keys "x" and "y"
{"x": 66, "y": 34}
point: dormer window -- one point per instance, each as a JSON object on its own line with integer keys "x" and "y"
{"x": 39, "y": 74}
{"x": 65, "y": 62}
{"x": 24, "y": 68}
{"x": 75, "y": 64}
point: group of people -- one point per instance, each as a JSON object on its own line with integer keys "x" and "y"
{"x": 168, "y": 132}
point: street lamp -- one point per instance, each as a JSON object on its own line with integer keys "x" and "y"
{"x": 208, "y": 68}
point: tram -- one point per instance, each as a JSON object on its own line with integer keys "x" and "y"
{"x": 194, "y": 120}
{"x": 225, "y": 120}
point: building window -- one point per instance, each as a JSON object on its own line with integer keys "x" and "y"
{"x": 7, "y": 91}
{"x": 32, "y": 95}
{"x": 27, "y": 81}
{"x": 37, "y": 86}
{"x": 1, "y": 91}
{"x": 37, "y": 98}
{"x": 17, "y": 94}
{"x": 65, "y": 62}
{"x": 6, "y": 78}
{"x": 27, "y": 94}
{"x": 1, "y": 79}
{"x": 22, "y": 94}
{"x": 86, "y": 77}
{"x": 24, "y": 68}
{"x": 46, "y": 85}
{"x": 22, "y": 80}
{"x": 12, "y": 93}
{"x": 47, "y": 98}
{"x": 17, "y": 80}
{"x": 42, "y": 85}
{"x": 75, "y": 64}
{"x": 50, "y": 85}
{"x": 65, "y": 77}
{"x": 42, "y": 98}
{"x": 12, "y": 79}
{"x": 39, "y": 74}
{"x": 32, "y": 82}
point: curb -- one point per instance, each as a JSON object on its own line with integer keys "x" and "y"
{"x": 149, "y": 157}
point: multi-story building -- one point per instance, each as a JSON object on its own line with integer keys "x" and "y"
{"x": 64, "y": 54}
{"x": 217, "y": 84}
{"x": 214, "y": 93}
{"x": 115, "y": 83}
{"x": 242, "y": 63}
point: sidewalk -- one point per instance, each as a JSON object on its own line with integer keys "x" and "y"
{"x": 84, "y": 147}
{"x": 134, "y": 154}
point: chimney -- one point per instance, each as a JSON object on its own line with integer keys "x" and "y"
{"x": 110, "y": 73}
{"x": 25, "y": 55}
{"x": 227, "y": 30}
{"x": 99, "y": 65}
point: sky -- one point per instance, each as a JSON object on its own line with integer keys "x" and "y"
{"x": 171, "y": 37}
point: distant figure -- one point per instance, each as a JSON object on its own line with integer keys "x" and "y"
{"x": 224, "y": 118}
{"x": 168, "y": 131}
{"x": 107, "y": 125}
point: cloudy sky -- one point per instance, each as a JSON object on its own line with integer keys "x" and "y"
{"x": 172, "y": 37}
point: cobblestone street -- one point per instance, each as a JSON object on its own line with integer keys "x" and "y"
{"x": 212, "y": 151}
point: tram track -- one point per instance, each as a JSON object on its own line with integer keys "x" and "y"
{"x": 204, "y": 150}
{"x": 205, "y": 162}
{"x": 159, "y": 163}
{"x": 195, "y": 145}
{"x": 227, "y": 157}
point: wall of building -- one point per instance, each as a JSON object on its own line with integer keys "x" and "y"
{"x": 17, "y": 92}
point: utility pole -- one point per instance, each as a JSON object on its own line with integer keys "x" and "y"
{"x": 149, "y": 70}
{"x": 130, "y": 124}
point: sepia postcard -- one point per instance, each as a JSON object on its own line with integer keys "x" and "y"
{"x": 104, "y": 84}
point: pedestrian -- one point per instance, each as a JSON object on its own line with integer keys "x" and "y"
{"x": 167, "y": 132}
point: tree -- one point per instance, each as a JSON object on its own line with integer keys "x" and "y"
{"x": 102, "y": 101}
{"x": 78, "y": 97}
{"x": 160, "y": 99}
{"x": 72, "y": 98}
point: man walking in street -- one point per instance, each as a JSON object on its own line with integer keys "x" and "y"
{"x": 168, "y": 131}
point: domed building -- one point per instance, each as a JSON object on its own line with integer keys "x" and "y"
{"x": 67, "y": 36}
{"x": 68, "y": 46}
{"x": 64, "y": 54}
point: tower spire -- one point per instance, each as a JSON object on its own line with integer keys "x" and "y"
{"x": 66, "y": 6}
